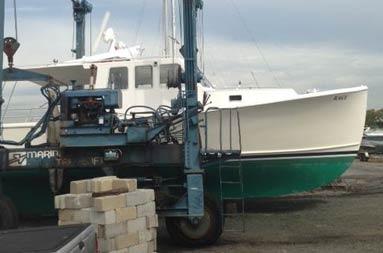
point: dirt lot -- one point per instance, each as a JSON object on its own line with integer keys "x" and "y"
{"x": 347, "y": 217}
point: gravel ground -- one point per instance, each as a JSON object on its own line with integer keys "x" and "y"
{"x": 344, "y": 217}
{"x": 347, "y": 217}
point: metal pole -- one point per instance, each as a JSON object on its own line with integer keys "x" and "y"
{"x": 190, "y": 57}
{"x": 1, "y": 58}
{"x": 166, "y": 26}
{"x": 80, "y": 9}
{"x": 191, "y": 137}
{"x": 173, "y": 28}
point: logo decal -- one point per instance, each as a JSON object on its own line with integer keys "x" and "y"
{"x": 17, "y": 159}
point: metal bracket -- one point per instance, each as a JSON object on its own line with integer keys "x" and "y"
{"x": 56, "y": 179}
{"x": 14, "y": 74}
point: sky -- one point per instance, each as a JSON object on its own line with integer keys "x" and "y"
{"x": 300, "y": 44}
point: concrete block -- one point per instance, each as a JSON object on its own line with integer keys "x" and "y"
{"x": 139, "y": 197}
{"x": 152, "y": 221}
{"x": 125, "y": 184}
{"x": 140, "y": 248}
{"x": 111, "y": 230}
{"x": 126, "y": 213}
{"x": 67, "y": 223}
{"x": 78, "y": 187}
{"x": 148, "y": 209}
{"x": 120, "y": 251}
{"x": 136, "y": 225}
{"x": 74, "y": 215}
{"x": 147, "y": 235}
{"x": 152, "y": 246}
{"x": 101, "y": 184}
{"x": 107, "y": 245}
{"x": 79, "y": 201}
{"x": 126, "y": 240}
{"x": 74, "y": 201}
{"x": 109, "y": 202}
{"x": 104, "y": 218}
{"x": 60, "y": 201}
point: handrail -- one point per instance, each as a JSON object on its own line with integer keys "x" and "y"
{"x": 220, "y": 111}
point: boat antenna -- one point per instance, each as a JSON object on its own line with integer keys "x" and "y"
{"x": 15, "y": 17}
{"x": 249, "y": 31}
{"x": 140, "y": 19}
{"x": 165, "y": 27}
{"x": 80, "y": 9}
{"x": 173, "y": 29}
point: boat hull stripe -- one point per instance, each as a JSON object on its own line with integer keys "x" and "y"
{"x": 301, "y": 155}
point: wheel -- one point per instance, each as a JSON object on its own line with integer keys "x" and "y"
{"x": 8, "y": 215}
{"x": 204, "y": 233}
{"x": 364, "y": 157}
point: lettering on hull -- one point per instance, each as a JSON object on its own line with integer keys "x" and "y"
{"x": 19, "y": 159}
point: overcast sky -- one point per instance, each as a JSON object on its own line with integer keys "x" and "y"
{"x": 302, "y": 44}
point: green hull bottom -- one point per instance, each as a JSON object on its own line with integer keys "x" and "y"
{"x": 272, "y": 177}
{"x": 31, "y": 193}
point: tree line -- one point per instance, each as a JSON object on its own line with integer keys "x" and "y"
{"x": 374, "y": 118}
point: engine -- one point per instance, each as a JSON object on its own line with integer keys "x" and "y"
{"x": 88, "y": 112}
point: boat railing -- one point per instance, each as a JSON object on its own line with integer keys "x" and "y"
{"x": 228, "y": 158}
{"x": 229, "y": 118}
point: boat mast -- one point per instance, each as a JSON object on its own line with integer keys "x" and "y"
{"x": 169, "y": 23}
{"x": 173, "y": 38}
{"x": 80, "y": 9}
{"x": 166, "y": 26}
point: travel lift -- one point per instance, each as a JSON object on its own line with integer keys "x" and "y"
{"x": 141, "y": 145}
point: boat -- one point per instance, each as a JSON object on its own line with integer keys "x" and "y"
{"x": 288, "y": 142}
{"x": 372, "y": 141}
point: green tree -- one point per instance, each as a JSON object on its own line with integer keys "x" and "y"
{"x": 374, "y": 118}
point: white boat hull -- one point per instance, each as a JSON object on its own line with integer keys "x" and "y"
{"x": 320, "y": 122}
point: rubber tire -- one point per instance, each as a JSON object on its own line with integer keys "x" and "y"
{"x": 209, "y": 238}
{"x": 9, "y": 218}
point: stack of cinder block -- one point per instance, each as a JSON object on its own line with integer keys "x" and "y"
{"x": 124, "y": 216}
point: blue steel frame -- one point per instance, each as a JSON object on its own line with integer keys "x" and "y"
{"x": 1, "y": 59}
{"x": 192, "y": 146}
{"x": 1, "y": 64}
{"x": 193, "y": 203}
{"x": 80, "y": 9}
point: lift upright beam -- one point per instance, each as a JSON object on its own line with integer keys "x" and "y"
{"x": 192, "y": 145}
{"x": 80, "y": 9}
{"x": 1, "y": 57}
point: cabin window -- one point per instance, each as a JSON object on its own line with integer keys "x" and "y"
{"x": 118, "y": 78}
{"x": 235, "y": 98}
{"x": 144, "y": 77}
{"x": 166, "y": 71}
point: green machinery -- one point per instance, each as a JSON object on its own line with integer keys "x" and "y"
{"x": 93, "y": 142}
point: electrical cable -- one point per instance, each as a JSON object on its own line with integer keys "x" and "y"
{"x": 42, "y": 124}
